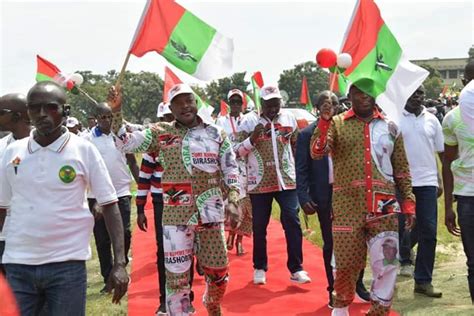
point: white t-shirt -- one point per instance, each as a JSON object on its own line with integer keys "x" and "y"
{"x": 45, "y": 189}
{"x": 115, "y": 161}
{"x": 4, "y": 142}
{"x": 423, "y": 138}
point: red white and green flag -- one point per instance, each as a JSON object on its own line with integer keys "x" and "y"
{"x": 46, "y": 71}
{"x": 247, "y": 103}
{"x": 257, "y": 84}
{"x": 376, "y": 54}
{"x": 171, "y": 79}
{"x": 225, "y": 109}
{"x": 305, "y": 97}
{"x": 183, "y": 39}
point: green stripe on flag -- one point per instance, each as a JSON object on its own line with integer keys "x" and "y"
{"x": 379, "y": 64}
{"x": 43, "y": 77}
{"x": 188, "y": 43}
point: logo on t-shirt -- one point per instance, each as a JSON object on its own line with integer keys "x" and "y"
{"x": 67, "y": 174}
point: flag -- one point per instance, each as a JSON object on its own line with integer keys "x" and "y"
{"x": 171, "y": 79}
{"x": 257, "y": 83}
{"x": 46, "y": 71}
{"x": 183, "y": 39}
{"x": 376, "y": 54}
{"x": 224, "y": 109}
{"x": 305, "y": 97}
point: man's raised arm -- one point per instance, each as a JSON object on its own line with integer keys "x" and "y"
{"x": 130, "y": 142}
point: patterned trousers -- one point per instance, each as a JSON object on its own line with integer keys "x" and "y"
{"x": 379, "y": 235}
{"x": 181, "y": 243}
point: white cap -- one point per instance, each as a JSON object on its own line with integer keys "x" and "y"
{"x": 72, "y": 121}
{"x": 178, "y": 89}
{"x": 270, "y": 92}
{"x": 235, "y": 92}
{"x": 163, "y": 108}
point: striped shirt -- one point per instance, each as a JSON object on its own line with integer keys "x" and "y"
{"x": 149, "y": 180}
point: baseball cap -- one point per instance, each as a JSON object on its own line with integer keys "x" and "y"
{"x": 163, "y": 108}
{"x": 180, "y": 88}
{"x": 364, "y": 84}
{"x": 270, "y": 92}
{"x": 72, "y": 121}
{"x": 235, "y": 92}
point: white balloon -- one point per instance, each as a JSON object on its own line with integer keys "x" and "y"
{"x": 77, "y": 78}
{"x": 344, "y": 60}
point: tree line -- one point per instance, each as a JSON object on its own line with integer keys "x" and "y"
{"x": 143, "y": 91}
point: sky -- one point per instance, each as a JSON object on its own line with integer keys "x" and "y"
{"x": 269, "y": 36}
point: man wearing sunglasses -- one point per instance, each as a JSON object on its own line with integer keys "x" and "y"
{"x": 13, "y": 119}
{"x": 43, "y": 181}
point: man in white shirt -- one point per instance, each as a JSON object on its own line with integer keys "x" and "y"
{"x": 423, "y": 138}
{"x": 43, "y": 181}
{"x": 116, "y": 163}
{"x": 269, "y": 145}
{"x": 14, "y": 119}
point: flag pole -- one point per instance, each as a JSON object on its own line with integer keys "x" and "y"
{"x": 122, "y": 71}
{"x": 333, "y": 79}
{"x": 86, "y": 95}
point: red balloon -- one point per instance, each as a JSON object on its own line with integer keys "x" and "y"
{"x": 326, "y": 58}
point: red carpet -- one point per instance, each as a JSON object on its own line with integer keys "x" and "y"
{"x": 278, "y": 297}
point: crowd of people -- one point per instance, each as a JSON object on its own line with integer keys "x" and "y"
{"x": 374, "y": 185}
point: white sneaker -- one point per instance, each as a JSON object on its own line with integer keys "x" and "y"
{"x": 406, "y": 271}
{"x": 300, "y": 277}
{"x": 259, "y": 277}
{"x": 340, "y": 311}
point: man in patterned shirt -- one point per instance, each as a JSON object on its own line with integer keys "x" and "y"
{"x": 149, "y": 181}
{"x": 458, "y": 170}
{"x": 195, "y": 156}
{"x": 369, "y": 163}
{"x": 231, "y": 124}
{"x": 269, "y": 147}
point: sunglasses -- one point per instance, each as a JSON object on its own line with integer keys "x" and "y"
{"x": 47, "y": 107}
{"x": 105, "y": 117}
{"x": 5, "y": 111}
{"x": 235, "y": 102}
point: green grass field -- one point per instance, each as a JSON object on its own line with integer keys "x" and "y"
{"x": 449, "y": 276}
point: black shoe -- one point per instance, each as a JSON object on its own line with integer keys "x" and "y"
{"x": 104, "y": 290}
{"x": 161, "y": 310}
{"x": 362, "y": 292}
{"x": 331, "y": 301}
{"x": 427, "y": 290}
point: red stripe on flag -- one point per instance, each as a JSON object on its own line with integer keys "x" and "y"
{"x": 224, "y": 108}
{"x": 46, "y": 68}
{"x": 304, "y": 91}
{"x": 257, "y": 76}
{"x": 158, "y": 21}
{"x": 170, "y": 80}
{"x": 362, "y": 34}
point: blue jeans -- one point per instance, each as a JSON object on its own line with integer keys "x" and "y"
{"x": 466, "y": 223}
{"x": 424, "y": 234}
{"x": 261, "y": 211}
{"x": 60, "y": 285}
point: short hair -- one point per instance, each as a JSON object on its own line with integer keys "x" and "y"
{"x": 325, "y": 95}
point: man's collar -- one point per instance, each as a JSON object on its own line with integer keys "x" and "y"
{"x": 350, "y": 113}
{"x": 96, "y": 131}
{"x": 57, "y": 146}
{"x": 178, "y": 124}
